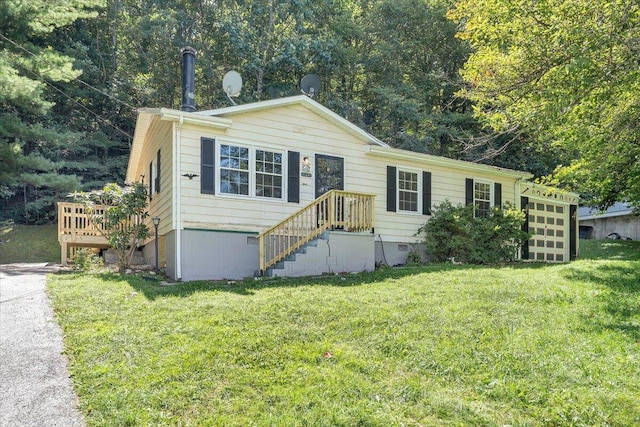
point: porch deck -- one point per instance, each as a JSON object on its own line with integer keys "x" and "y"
{"x": 76, "y": 231}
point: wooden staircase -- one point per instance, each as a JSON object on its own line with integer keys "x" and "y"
{"x": 336, "y": 209}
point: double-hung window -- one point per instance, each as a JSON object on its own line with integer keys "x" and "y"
{"x": 234, "y": 169}
{"x": 482, "y": 199}
{"x": 408, "y": 191}
{"x": 268, "y": 174}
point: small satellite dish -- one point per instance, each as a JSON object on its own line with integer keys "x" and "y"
{"x": 310, "y": 85}
{"x": 231, "y": 84}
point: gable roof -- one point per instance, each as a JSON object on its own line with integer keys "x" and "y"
{"x": 400, "y": 154}
{"x": 617, "y": 209}
{"x": 304, "y": 101}
{"x": 146, "y": 118}
{"x": 222, "y": 118}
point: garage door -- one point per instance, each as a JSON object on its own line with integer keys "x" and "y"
{"x": 548, "y": 224}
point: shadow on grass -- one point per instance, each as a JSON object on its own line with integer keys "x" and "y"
{"x": 153, "y": 287}
{"x": 620, "y": 303}
{"x": 622, "y": 250}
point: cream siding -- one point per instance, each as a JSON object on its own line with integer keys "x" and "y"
{"x": 159, "y": 137}
{"x": 296, "y": 128}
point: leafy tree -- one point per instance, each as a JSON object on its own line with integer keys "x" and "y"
{"x": 568, "y": 73}
{"x": 118, "y": 213}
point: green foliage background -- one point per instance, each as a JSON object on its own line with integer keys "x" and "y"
{"x": 539, "y": 91}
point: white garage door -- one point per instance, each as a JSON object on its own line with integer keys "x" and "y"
{"x": 548, "y": 222}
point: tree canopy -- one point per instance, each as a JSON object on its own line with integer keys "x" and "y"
{"x": 568, "y": 73}
{"x": 546, "y": 84}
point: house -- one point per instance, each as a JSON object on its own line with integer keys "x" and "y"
{"x": 288, "y": 187}
{"x": 219, "y": 179}
{"x": 617, "y": 221}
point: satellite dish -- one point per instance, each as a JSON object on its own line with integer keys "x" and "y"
{"x": 310, "y": 85}
{"x": 231, "y": 84}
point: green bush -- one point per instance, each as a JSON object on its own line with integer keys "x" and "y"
{"x": 454, "y": 233}
{"x": 86, "y": 260}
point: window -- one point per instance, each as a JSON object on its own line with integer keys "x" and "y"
{"x": 153, "y": 174}
{"x": 242, "y": 170}
{"x": 158, "y": 173}
{"x": 481, "y": 199}
{"x": 268, "y": 174}
{"x": 483, "y": 195}
{"x": 407, "y": 191}
{"x": 234, "y": 170}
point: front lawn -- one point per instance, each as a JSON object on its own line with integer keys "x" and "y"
{"x": 443, "y": 345}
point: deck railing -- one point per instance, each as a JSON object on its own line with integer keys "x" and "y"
{"x": 336, "y": 209}
{"x": 75, "y": 229}
{"x": 74, "y": 221}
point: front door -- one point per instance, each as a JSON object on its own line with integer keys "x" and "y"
{"x": 329, "y": 174}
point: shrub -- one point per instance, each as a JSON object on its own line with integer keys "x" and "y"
{"x": 86, "y": 260}
{"x": 453, "y": 232}
{"x": 120, "y": 218}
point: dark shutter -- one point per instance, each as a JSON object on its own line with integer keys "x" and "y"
{"x": 524, "y": 204}
{"x": 158, "y": 173}
{"x": 426, "y": 193}
{"x": 293, "y": 185}
{"x": 497, "y": 195}
{"x": 573, "y": 232}
{"x": 468, "y": 192}
{"x": 391, "y": 189}
{"x": 151, "y": 180}
{"x": 207, "y": 166}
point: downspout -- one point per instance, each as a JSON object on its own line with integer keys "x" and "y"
{"x": 177, "y": 213}
{"x": 188, "y": 104}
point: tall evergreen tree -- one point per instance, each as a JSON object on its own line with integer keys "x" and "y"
{"x": 28, "y": 66}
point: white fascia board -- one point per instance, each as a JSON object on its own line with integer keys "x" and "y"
{"x": 308, "y": 103}
{"x": 539, "y": 191}
{"x": 194, "y": 118}
{"x": 142, "y": 127}
{"x": 398, "y": 154}
{"x": 143, "y": 124}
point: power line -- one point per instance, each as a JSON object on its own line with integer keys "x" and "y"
{"x": 19, "y": 46}
{"x": 98, "y": 116}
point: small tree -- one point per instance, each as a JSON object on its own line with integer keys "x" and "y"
{"x": 453, "y": 232}
{"x": 118, "y": 213}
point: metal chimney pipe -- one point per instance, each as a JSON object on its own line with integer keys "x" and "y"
{"x": 188, "y": 78}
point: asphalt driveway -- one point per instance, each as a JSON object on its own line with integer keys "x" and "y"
{"x": 35, "y": 389}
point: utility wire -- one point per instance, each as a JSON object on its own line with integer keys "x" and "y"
{"x": 71, "y": 77}
{"x": 98, "y": 116}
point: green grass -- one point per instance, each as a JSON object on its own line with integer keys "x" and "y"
{"x": 28, "y": 243}
{"x": 610, "y": 249}
{"x": 443, "y": 345}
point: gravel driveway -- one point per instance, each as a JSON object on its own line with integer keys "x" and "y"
{"x": 35, "y": 389}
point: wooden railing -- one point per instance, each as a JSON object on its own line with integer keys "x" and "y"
{"x": 76, "y": 230}
{"x": 73, "y": 220}
{"x": 336, "y": 209}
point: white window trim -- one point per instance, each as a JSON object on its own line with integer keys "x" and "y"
{"x": 152, "y": 179}
{"x": 252, "y": 170}
{"x": 491, "y": 193}
{"x": 418, "y": 173}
